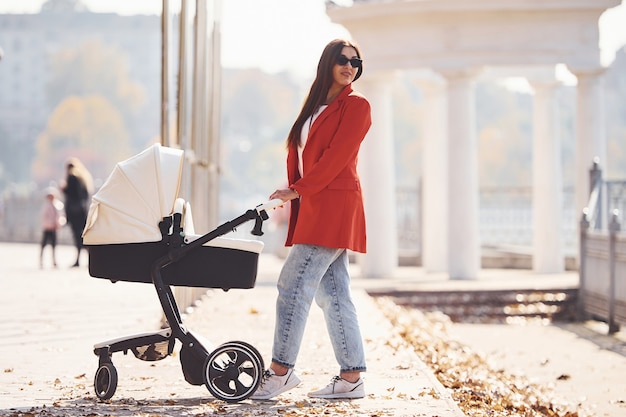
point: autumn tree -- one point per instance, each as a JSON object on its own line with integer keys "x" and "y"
{"x": 94, "y": 68}
{"x": 89, "y": 128}
{"x": 94, "y": 105}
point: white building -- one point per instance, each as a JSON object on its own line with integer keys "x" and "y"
{"x": 454, "y": 42}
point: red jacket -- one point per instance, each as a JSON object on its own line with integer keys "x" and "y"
{"x": 330, "y": 209}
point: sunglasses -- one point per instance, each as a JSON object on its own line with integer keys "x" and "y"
{"x": 354, "y": 62}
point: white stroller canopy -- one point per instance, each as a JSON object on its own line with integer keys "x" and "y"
{"x": 134, "y": 199}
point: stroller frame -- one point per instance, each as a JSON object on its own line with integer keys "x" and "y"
{"x": 233, "y": 370}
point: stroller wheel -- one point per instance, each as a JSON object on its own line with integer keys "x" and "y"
{"x": 105, "y": 381}
{"x": 233, "y": 371}
{"x": 252, "y": 350}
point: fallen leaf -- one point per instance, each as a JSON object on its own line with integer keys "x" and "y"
{"x": 479, "y": 388}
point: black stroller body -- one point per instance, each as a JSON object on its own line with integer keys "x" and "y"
{"x": 159, "y": 246}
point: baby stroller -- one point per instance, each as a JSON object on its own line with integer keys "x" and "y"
{"x": 139, "y": 231}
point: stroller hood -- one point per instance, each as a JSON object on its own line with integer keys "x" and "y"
{"x": 134, "y": 199}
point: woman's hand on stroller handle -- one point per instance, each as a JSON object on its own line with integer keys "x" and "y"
{"x": 285, "y": 194}
{"x": 270, "y": 205}
{"x": 261, "y": 215}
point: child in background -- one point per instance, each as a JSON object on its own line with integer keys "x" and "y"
{"x": 51, "y": 220}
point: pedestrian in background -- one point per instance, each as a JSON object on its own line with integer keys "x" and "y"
{"x": 77, "y": 190}
{"x": 52, "y": 219}
{"x": 326, "y": 220}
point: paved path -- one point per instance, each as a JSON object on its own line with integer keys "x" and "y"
{"x": 51, "y": 318}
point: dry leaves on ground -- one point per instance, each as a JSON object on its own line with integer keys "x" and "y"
{"x": 193, "y": 407}
{"x": 479, "y": 387}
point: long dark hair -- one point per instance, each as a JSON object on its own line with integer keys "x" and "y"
{"x": 321, "y": 85}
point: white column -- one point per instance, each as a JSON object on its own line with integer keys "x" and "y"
{"x": 547, "y": 182}
{"x": 434, "y": 197}
{"x": 463, "y": 230}
{"x": 376, "y": 169}
{"x": 590, "y": 131}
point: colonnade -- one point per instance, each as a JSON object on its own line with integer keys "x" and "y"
{"x": 451, "y": 235}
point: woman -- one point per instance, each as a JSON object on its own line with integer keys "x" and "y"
{"x": 78, "y": 187}
{"x": 327, "y": 218}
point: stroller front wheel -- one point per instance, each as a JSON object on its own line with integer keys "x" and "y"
{"x": 105, "y": 381}
{"x": 233, "y": 371}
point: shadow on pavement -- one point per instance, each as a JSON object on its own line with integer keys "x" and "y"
{"x": 596, "y": 333}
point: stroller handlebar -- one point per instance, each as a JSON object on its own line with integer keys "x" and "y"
{"x": 261, "y": 214}
{"x": 269, "y": 205}
{"x": 178, "y": 206}
{"x": 272, "y": 204}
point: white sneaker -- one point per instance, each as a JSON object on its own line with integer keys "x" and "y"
{"x": 340, "y": 388}
{"x": 273, "y": 384}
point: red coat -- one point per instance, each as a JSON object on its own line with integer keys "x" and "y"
{"x": 330, "y": 209}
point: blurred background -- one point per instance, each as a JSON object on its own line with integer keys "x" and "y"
{"x": 83, "y": 78}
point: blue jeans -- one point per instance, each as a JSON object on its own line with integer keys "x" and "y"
{"x": 316, "y": 271}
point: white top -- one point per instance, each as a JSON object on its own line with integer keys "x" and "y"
{"x": 305, "y": 135}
